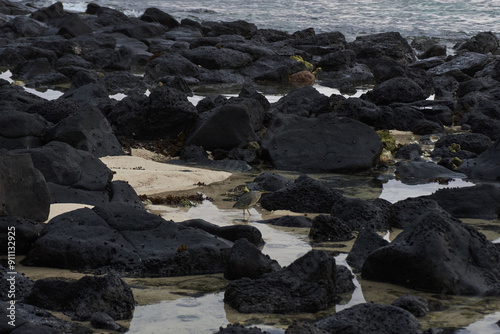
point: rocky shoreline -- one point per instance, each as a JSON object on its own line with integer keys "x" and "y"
{"x": 52, "y": 151}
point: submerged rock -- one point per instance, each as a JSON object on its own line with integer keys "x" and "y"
{"x": 438, "y": 253}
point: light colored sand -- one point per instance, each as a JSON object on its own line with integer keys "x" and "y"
{"x": 149, "y": 177}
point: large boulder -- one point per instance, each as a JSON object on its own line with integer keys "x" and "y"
{"x": 23, "y": 188}
{"x": 87, "y": 130}
{"x": 366, "y": 242}
{"x": 483, "y": 42}
{"x": 403, "y": 213}
{"x": 306, "y": 285}
{"x": 304, "y": 101}
{"x": 169, "y": 114}
{"x": 399, "y": 89}
{"x": 13, "y": 284}
{"x": 441, "y": 254}
{"x": 484, "y": 117}
{"x": 31, "y": 319}
{"x": 329, "y": 228}
{"x": 246, "y": 260}
{"x": 481, "y": 201}
{"x": 119, "y": 237}
{"x": 224, "y": 128}
{"x": 21, "y": 130}
{"x": 67, "y": 166}
{"x": 487, "y": 164}
{"x": 214, "y": 58}
{"x": 24, "y": 230}
{"x": 416, "y": 172}
{"x": 357, "y": 213}
{"x": 369, "y": 318}
{"x": 323, "y": 144}
{"x": 467, "y": 62}
{"x": 304, "y": 195}
{"x": 80, "y": 299}
{"x": 388, "y": 44}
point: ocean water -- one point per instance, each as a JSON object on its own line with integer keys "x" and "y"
{"x": 450, "y": 21}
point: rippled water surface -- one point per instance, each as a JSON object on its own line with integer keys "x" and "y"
{"x": 450, "y": 20}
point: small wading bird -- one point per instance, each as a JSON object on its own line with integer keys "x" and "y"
{"x": 247, "y": 200}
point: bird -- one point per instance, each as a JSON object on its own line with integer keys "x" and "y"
{"x": 247, "y": 200}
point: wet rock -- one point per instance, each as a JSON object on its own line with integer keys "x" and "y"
{"x": 273, "y": 69}
{"x": 436, "y": 50}
{"x": 171, "y": 64}
{"x": 169, "y": 114}
{"x": 128, "y": 117}
{"x": 389, "y": 44}
{"x": 26, "y": 233}
{"x": 72, "y": 25}
{"x": 416, "y": 172}
{"x": 289, "y": 221}
{"x": 304, "y": 195}
{"x": 122, "y": 192}
{"x": 119, "y": 237}
{"x": 19, "y": 130}
{"x": 305, "y": 102}
{"x": 472, "y": 142}
{"x": 483, "y": 42}
{"x": 24, "y": 190}
{"x": 226, "y": 127}
{"x": 53, "y": 110}
{"x": 231, "y": 233}
{"x": 366, "y": 242}
{"x": 30, "y": 319}
{"x": 329, "y": 228}
{"x": 433, "y": 254}
{"x": 214, "y": 58}
{"x": 246, "y": 260}
{"x": 484, "y": 118}
{"x": 399, "y": 89}
{"x": 80, "y": 299}
{"x": 124, "y": 82}
{"x": 306, "y": 285}
{"x": 269, "y": 181}
{"x": 156, "y": 15}
{"x": 13, "y": 285}
{"x": 304, "y": 328}
{"x": 13, "y": 8}
{"x": 23, "y": 26}
{"x": 65, "y": 165}
{"x": 357, "y": 213}
{"x": 239, "y": 329}
{"x": 480, "y": 201}
{"x": 418, "y": 306}
{"x": 486, "y": 166}
{"x": 405, "y": 212}
{"x": 409, "y": 152}
{"x": 102, "y": 320}
{"x": 468, "y": 62}
{"x": 353, "y": 145}
{"x": 92, "y": 94}
{"x": 239, "y": 27}
{"x": 359, "y": 319}
{"x": 87, "y": 130}
{"x": 67, "y": 194}
{"x": 344, "y": 280}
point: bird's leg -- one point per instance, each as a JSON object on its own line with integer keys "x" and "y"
{"x": 249, "y": 214}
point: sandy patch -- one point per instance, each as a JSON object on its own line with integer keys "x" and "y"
{"x": 149, "y": 177}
